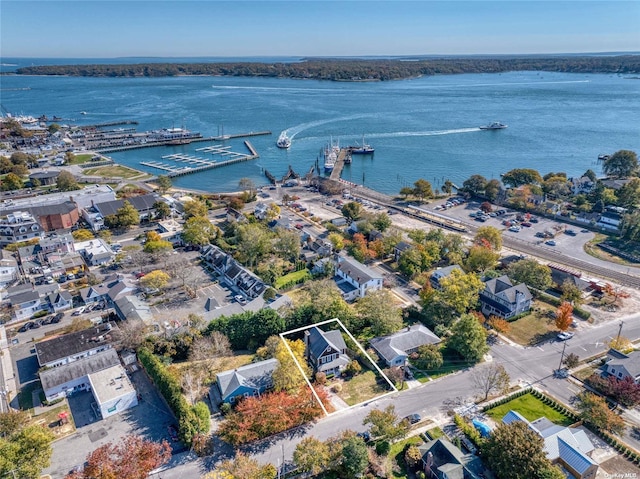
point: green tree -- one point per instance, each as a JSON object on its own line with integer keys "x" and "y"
{"x": 195, "y": 208}
{"x": 531, "y": 273}
{"x": 352, "y": 211}
{"x": 199, "y": 230}
{"x": 629, "y": 194}
{"x": 11, "y": 182}
{"x": 242, "y": 466}
{"x": 447, "y": 187}
{"x": 312, "y": 455}
{"x": 460, "y": 290}
{"x": 521, "y": 176}
{"x": 253, "y": 242}
{"x": 378, "y": 310}
{"x": 287, "y": 244}
{"x": 127, "y": 215}
{"x": 355, "y": 457}
{"x": 429, "y": 357}
{"x": 489, "y": 236}
{"x": 492, "y": 189}
{"x": 571, "y": 293}
{"x": 382, "y": 221}
{"x": 337, "y": 241}
{"x": 25, "y": 450}
{"x": 475, "y": 185}
{"x": 631, "y": 226}
{"x": 468, "y": 338}
{"x": 622, "y": 164}
{"x": 514, "y": 451}
{"x": 406, "y": 191}
{"x": 594, "y": 410}
{"x": 385, "y": 424}
{"x": 422, "y": 189}
{"x": 157, "y": 246}
{"x": 410, "y": 262}
{"x": 480, "y": 259}
{"x": 162, "y": 209}
{"x": 67, "y": 182}
{"x": 287, "y": 377}
{"x": 164, "y": 183}
{"x": 556, "y": 186}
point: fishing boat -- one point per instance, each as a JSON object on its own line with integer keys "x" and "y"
{"x": 330, "y": 153}
{"x": 363, "y": 149}
{"x": 283, "y": 141}
{"x": 496, "y": 125}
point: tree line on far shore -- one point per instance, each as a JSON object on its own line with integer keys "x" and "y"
{"x": 352, "y": 69}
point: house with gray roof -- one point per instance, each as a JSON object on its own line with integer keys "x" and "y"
{"x": 143, "y": 204}
{"x": 564, "y": 446}
{"x": 60, "y": 301}
{"x": 250, "y": 380}
{"x": 26, "y": 304}
{"x": 72, "y": 347}
{"x": 621, "y": 365}
{"x": 356, "y": 278}
{"x": 503, "y": 299}
{"x": 441, "y": 273}
{"x": 232, "y": 272}
{"x": 443, "y": 460}
{"x": 72, "y": 377}
{"x": 396, "y": 348}
{"x": 326, "y": 352}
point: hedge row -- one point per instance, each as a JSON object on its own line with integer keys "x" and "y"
{"x": 501, "y": 401}
{"x": 537, "y": 394}
{"x": 192, "y": 420}
{"x": 469, "y": 430}
{"x": 622, "y": 448}
{"x": 547, "y": 298}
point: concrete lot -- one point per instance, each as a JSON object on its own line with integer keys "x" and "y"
{"x": 149, "y": 419}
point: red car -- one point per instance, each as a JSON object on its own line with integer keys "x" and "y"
{"x": 140, "y": 275}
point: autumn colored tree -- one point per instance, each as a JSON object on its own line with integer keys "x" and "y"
{"x": 359, "y": 248}
{"x": 385, "y": 424}
{"x": 460, "y": 290}
{"x": 615, "y": 293}
{"x": 287, "y": 377}
{"x": 621, "y": 343}
{"x": 312, "y": 455}
{"x": 156, "y": 279}
{"x": 196, "y": 208}
{"x": 133, "y": 458}
{"x": 564, "y": 316}
{"x": 489, "y": 236}
{"x": 499, "y": 324}
{"x": 82, "y": 234}
{"x": 412, "y": 457}
{"x": 243, "y": 466}
{"x": 594, "y": 410}
{"x": 486, "y": 207}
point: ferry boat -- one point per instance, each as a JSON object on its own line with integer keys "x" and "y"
{"x": 174, "y": 136}
{"x": 496, "y": 125}
{"x": 363, "y": 149}
{"x": 283, "y": 141}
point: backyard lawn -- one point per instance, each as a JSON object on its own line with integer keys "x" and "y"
{"x": 535, "y": 327}
{"x": 396, "y": 456}
{"x": 361, "y": 388}
{"x": 293, "y": 277}
{"x": 531, "y": 408}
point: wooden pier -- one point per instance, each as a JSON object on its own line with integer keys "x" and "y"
{"x": 151, "y": 144}
{"x": 200, "y": 164}
{"x": 337, "y": 168}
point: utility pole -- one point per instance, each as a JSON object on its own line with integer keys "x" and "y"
{"x": 619, "y": 331}
{"x": 562, "y": 355}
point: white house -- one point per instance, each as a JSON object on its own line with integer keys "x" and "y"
{"x": 19, "y": 226}
{"x": 95, "y": 251}
{"x": 354, "y": 279}
{"x": 112, "y": 391}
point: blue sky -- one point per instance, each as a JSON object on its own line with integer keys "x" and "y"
{"x": 114, "y": 28}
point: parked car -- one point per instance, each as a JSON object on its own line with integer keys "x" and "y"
{"x": 570, "y": 232}
{"x": 413, "y": 418}
{"x": 79, "y": 311}
{"x": 57, "y": 318}
{"x": 550, "y": 243}
{"x": 47, "y": 320}
{"x": 240, "y": 299}
{"x": 514, "y": 228}
{"x": 565, "y": 335}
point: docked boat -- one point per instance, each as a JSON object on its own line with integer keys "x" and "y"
{"x": 283, "y": 141}
{"x": 331, "y": 152}
{"x": 363, "y": 149}
{"x": 496, "y": 125}
{"x": 603, "y": 157}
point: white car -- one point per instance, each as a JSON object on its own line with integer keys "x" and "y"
{"x": 515, "y": 229}
{"x": 564, "y": 336}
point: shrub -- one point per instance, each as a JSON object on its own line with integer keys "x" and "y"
{"x": 336, "y": 388}
{"x": 382, "y": 448}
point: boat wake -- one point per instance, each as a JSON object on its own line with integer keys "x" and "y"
{"x": 295, "y": 130}
{"x": 400, "y": 134}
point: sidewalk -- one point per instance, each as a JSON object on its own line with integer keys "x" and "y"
{"x": 8, "y": 387}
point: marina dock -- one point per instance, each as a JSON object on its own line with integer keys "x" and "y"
{"x": 188, "y": 164}
{"x": 337, "y": 167}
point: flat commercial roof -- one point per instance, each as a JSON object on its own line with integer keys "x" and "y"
{"x": 110, "y": 384}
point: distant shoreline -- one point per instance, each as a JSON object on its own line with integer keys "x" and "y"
{"x": 347, "y": 70}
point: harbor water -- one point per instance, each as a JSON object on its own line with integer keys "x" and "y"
{"x": 420, "y": 128}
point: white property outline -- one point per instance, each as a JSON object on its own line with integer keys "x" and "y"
{"x": 313, "y": 391}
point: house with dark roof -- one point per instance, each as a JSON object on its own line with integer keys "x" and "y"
{"x": 400, "y": 248}
{"x": 396, "y": 348}
{"x": 441, "y": 273}
{"x": 45, "y": 178}
{"x": 443, "y": 460}
{"x": 235, "y": 216}
{"x": 19, "y": 226}
{"x": 326, "y": 352}
{"x": 60, "y": 301}
{"x": 232, "y": 272}
{"x": 71, "y": 347}
{"x": 26, "y": 304}
{"x": 561, "y": 275}
{"x": 143, "y": 205}
{"x": 356, "y": 278}
{"x": 621, "y": 365}
{"x": 570, "y": 448}
{"x": 250, "y": 380}
{"x": 611, "y": 218}
{"x": 503, "y": 299}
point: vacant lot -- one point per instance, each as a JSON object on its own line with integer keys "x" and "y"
{"x": 531, "y": 408}
{"x": 537, "y": 327}
{"x": 116, "y": 171}
{"x": 361, "y": 388}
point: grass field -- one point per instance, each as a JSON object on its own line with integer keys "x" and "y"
{"x": 80, "y": 159}
{"x": 531, "y": 408}
{"x": 116, "y": 171}
{"x": 395, "y": 455}
{"x": 292, "y": 278}
{"x": 361, "y": 388}
{"x": 535, "y": 327}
